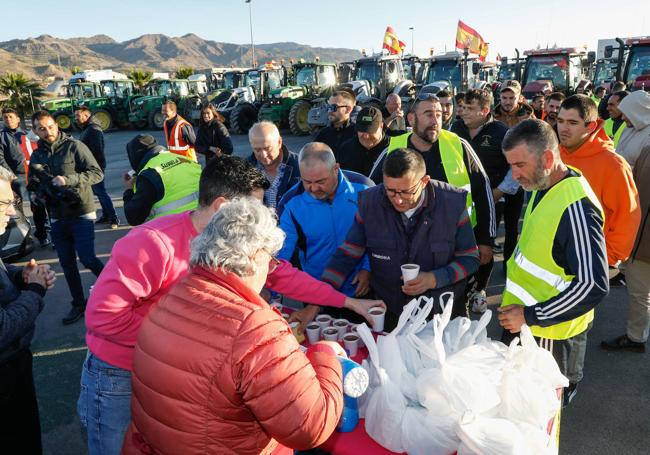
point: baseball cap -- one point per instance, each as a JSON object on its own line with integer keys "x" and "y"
{"x": 512, "y": 85}
{"x": 369, "y": 120}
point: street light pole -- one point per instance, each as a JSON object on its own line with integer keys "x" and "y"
{"x": 250, "y": 20}
{"x": 412, "y": 43}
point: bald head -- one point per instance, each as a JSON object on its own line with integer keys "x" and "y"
{"x": 316, "y": 154}
{"x": 393, "y": 103}
{"x": 266, "y": 143}
{"x": 318, "y": 170}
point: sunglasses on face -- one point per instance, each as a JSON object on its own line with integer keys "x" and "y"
{"x": 335, "y": 107}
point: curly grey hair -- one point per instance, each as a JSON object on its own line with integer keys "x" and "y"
{"x": 235, "y": 234}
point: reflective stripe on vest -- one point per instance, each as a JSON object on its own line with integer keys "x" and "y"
{"x": 608, "y": 126}
{"x": 451, "y": 155}
{"x": 180, "y": 177}
{"x": 176, "y": 144}
{"x": 533, "y": 274}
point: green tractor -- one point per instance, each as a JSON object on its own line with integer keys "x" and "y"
{"x": 290, "y": 105}
{"x": 240, "y": 105}
{"x": 145, "y": 110}
{"x": 108, "y": 101}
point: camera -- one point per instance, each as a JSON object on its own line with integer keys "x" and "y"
{"x": 41, "y": 184}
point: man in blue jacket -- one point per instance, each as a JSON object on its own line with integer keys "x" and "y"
{"x": 316, "y": 214}
{"x": 21, "y": 301}
{"x": 409, "y": 219}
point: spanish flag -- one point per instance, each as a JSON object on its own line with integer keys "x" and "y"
{"x": 391, "y": 43}
{"x": 470, "y": 39}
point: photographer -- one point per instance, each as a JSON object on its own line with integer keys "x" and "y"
{"x": 21, "y": 300}
{"x": 69, "y": 200}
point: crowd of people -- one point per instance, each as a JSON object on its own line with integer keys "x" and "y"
{"x": 184, "y": 351}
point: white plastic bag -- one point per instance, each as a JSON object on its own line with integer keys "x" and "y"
{"x": 386, "y": 405}
{"x": 490, "y": 436}
{"x": 425, "y": 434}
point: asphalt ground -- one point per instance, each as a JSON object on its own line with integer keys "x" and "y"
{"x": 610, "y": 414}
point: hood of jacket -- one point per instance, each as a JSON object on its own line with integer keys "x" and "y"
{"x": 595, "y": 143}
{"x": 636, "y": 107}
{"x": 138, "y": 157}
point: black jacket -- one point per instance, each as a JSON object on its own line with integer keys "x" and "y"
{"x": 353, "y": 156}
{"x": 137, "y": 206}
{"x": 291, "y": 173}
{"x": 487, "y": 145}
{"x": 20, "y": 304}
{"x": 11, "y": 157}
{"x": 213, "y": 134}
{"x": 335, "y": 137}
{"x": 71, "y": 159}
{"x": 93, "y": 137}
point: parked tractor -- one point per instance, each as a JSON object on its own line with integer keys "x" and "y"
{"x": 555, "y": 70}
{"x": 107, "y": 99}
{"x": 289, "y": 106}
{"x": 145, "y": 110}
{"x": 633, "y": 63}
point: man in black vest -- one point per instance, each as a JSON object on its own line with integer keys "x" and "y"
{"x": 409, "y": 219}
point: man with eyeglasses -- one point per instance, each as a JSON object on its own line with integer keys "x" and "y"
{"x": 409, "y": 219}
{"x": 341, "y": 104}
{"x": 315, "y": 215}
{"x": 74, "y": 170}
{"x": 450, "y": 159}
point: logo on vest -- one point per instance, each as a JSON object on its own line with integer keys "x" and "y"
{"x": 486, "y": 141}
{"x": 381, "y": 256}
{"x": 170, "y": 164}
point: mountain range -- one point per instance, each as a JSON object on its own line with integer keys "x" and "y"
{"x": 46, "y": 56}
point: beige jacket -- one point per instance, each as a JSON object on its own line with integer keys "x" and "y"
{"x": 641, "y": 250}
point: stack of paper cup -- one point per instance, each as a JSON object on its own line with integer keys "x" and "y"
{"x": 410, "y": 272}
{"x": 378, "y": 314}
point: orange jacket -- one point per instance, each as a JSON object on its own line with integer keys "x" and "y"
{"x": 218, "y": 371}
{"x": 175, "y": 141}
{"x": 611, "y": 179}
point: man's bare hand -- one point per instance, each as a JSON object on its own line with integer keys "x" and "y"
{"x": 511, "y": 317}
{"x": 362, "y": 280}
{"x": 128, "y": 181}
{"x": 304, "y": 316}
{"x": 485, "y": 253}
{"x": 59, "y": 180}
{"x": 421, "y": 284}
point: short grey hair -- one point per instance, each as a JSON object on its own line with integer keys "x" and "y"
{"x": 6, "y": 175}
{"x": 264, "y": 127}
{"x": 317, "y": 152}
{"x": 536, "y": 134}
{"x": 235, "y": 234}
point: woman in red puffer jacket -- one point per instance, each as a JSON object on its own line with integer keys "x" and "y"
{"x": 218, "y": 371}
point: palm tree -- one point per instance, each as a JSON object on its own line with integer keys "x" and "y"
{"x": 184, "y": 72}
{"x": 140, "y": 77}
{"x": 22, "y": 94}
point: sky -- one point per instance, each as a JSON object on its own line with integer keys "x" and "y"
{"x": 356, "y": 24}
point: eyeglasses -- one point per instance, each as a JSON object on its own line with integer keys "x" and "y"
{"x": 335, "y": 107}
{"x": 405, "y": 194}
{"x": 6, "y": 204}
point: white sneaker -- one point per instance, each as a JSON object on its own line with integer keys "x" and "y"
{"x": 479, "y": 302}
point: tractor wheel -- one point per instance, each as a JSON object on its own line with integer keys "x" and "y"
{"x": 242, "y": 117}
{"x": 298, "y": 116}
{"x": 63, "y": 121}
{"x": 156, "y": 120}
{"x": 104, "y": 119}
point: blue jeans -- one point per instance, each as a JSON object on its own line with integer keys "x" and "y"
{"x": 108, "y": 211}
{"x": 72, "y": 237}
{"x": 104, "y": 405}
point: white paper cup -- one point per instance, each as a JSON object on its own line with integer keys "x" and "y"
{"x": 323, "y": 320}
{"x": 330, "y": 334}
{"x": 378, "y": 314}
{"x": 342, "y": 326}
{"x": 351, "y": 343}
{"x": 410, "y": 272}
{"x": 313, "y": 332}
{"x": 353, "y": 329}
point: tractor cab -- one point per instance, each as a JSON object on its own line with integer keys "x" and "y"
{"x": 554, "y": 70}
